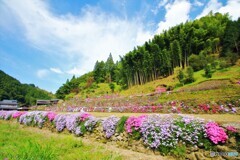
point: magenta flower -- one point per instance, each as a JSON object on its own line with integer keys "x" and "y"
{"x": 215, "y": 133}
{"x": 84, "y": 116}
{"x": 232, "y": 129}
{"x": 134, "y": 123}
{"x": 17, "y": 114}
{"x": 51, "y": 116}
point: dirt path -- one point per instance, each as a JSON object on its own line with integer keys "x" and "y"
{"x": 125, "y": 153}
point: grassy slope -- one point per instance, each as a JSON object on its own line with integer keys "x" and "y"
{"x": 17, "y": 143}
{"x": 231, "y": 73}
{"x": 221, "y": 87}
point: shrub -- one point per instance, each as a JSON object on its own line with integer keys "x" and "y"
{"x": 181, "y": 77}
{"x": 215, "y": 133}
{"x": 133, "y": 125}
{"x": 190, "y": 130}
{"x": 109, "y": 126}
{"x": 51, "y": 116}
{"x": 190, "y": 74}
{"x": 157, "y": 132}
{"x": 17, "y": 114}
{"x": 60, "y": 122}
{"x": 208, "y": 72}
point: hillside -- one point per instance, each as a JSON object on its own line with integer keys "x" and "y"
{"x": 223, "y": 88}
{"x": 183, "y": 56}
{"x": 26, "y": 94}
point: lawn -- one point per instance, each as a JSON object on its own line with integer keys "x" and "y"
{"x": 18, "y": 143}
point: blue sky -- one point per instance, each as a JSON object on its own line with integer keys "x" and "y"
{"x": 47, "y": 42}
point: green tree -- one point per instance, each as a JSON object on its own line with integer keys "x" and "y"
{"x": 190, "y": 75}
{"x": 99, "y": 72}
{"x": 109, "y": 68}
{"x": 208, "y": 72}
{"x": 181, "y": 76}
{"x": 112, "y": 86}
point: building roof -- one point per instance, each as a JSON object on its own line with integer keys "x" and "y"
{"x": 8, "y": 102}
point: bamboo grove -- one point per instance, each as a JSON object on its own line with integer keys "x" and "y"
{"x": 173, "y": 48}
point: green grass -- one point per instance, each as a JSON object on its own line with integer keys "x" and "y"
{"x": 231, "y": 73}
{"x": 17, "y": 143}
{"x": 226, "y": 93}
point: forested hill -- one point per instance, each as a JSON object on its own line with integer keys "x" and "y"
{"x": 204, "y": 43}
{"x": 26, "y": 94}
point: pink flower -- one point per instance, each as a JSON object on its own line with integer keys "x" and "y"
{"x": 232, "y": 129}
{"x": 84, "y": 116}
{"x": 17, "y": 114}
{"x": 215, "y": 133}
{"x": 134, "y": 123}
{"x": 51, "y": 116}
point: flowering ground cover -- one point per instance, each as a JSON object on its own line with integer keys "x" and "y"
{"x": 165, "y": 133}
{"x": 149, "y": 104}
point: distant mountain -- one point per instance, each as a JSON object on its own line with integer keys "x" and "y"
{"x": 25, "y": 94}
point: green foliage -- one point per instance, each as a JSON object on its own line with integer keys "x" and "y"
{"x": 165, "y": 150}
{"x": 121, "y": 124}
{"x": 232, "y": 57}
{"x": 208, "y": 71}
{"x": 231, "y": 40}
{"x": 69, "y": 96}
{"x": 181, "y": 77}
{"x": 112, "y": 86}
{"x": 214, "y": 64}
{"x": 194, "y": 62}
{"x": 25, "y": 94}
{"x": 190, "y": 75}
{"x": 223, "y": 64}
{"x": 180, "y": 151}
{"x": 99, "y": 72}
{"x": 136, "y": 135}
{"x": 76, "y": 85}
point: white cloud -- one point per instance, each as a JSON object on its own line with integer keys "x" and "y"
{"x": 198, "y": 3}
{"x": 160, "y": 5}
{"x": 78, "y": 40}
{"x": 56, "y": 70}
{"x": 176, "y": 12}
{"x": 213, "y": 5}
{"x": 232, "y": 7}
{"x": 76, "y": 71}
{"x": 42, "y": 73}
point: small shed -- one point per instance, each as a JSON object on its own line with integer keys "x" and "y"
{"x": 160, "y": 89}
{"x": 8, "y": 105}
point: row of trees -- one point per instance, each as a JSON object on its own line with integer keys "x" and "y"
{"x": 184, "y": 45}
{"x": 196, "y": 43}
{"x": 26, "y": 94}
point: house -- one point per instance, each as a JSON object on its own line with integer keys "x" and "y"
{"x": 43, "y": 102}
{"x": 8, "y": 105}
{"x": 47, "y": 102}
